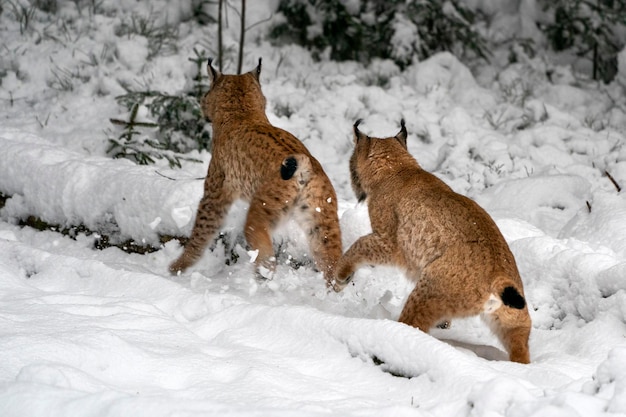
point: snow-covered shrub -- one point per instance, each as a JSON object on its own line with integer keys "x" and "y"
{"x": 181, "y": 127}
{"x": 592, "y": 29}
{"x": 349, "y": 30}
{"x": 445, "y": 26}
{"x": 362, "y": 30}
{"x": 162, "y": 39}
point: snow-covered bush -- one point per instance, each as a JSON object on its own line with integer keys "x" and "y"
{"x": 367, "y": 29}
{"x": 181, "y": 127}
{"x": 594, "y": 29}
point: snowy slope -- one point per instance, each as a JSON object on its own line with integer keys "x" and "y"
{"x": 107, "y": 333}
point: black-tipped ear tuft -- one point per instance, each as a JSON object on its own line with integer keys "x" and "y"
{"x": 213, "y": 73}
{"x": 402, "y": 135}
{"x": 357, "y": 133}
{"x": 257, "y": 71}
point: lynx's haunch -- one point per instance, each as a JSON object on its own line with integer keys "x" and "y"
{"x": 266, "y": 166}
{"x": 444, "y": 242}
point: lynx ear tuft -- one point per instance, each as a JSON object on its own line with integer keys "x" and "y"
{"x": 213, "y": 73}
{"x": 357, "y": 133}
{"x": 402, "y": 135}
{"x": 257, "y": 71}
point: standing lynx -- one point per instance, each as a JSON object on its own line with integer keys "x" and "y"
{"x": 444, "y": 241}
{"x": 266, "y": 166}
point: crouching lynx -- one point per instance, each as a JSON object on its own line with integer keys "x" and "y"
{"x": 266, "y": 166}
{"x": 444, "y": 241}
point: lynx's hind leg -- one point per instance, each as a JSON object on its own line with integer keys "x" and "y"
{"x": 212, "y": 209}
{"x": 511, "y": 322}
{"x": 512, "y": 326}
{"x": 438, "y": 297}
{"x": 424, "y": 312}
{"x": 271, "y": 202}
{"x": 317, "y": 209}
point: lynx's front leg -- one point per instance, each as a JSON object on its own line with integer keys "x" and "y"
{"x": 212, "y": 209}
{"x": 371, "y": 249}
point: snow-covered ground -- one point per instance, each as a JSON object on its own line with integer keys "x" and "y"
{"x": 107, "y": 333}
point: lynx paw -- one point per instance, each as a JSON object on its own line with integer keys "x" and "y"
{"x": 266, "y": 269}
{"x": 177, "y": 267}
{"x": 444, "y": 325}
{"x": 183, "y": 262}
{"x": 337, "y": 284}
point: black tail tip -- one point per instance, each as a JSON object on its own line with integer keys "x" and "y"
{"x": 288, "y": 168}
{"x": 512, "y": 298}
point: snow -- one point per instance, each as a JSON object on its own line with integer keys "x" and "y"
{"x": 109, "y": 333}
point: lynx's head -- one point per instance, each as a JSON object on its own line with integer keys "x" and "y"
{"x": 233, "y": 95}
{"x": 373, "y": 158}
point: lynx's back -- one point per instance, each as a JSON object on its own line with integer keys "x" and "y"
{"x": 247, "y": 144}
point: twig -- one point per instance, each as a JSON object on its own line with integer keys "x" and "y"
{"x": 126, "y": 124}
{"x": 219, "y": 34}
{"x": 588, "y": 206}
{"x": 613, "y": 181}
{"x": 176, "y": 179}
{"x": 241, "y": 36}
{"x": 164, "y": 176}
{"x": 260, "y": 22}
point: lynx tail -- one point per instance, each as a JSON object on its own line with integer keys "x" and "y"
{"x": 288, "y": 167}
{"x": 512, "y": 298}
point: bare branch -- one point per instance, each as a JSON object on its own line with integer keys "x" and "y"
{"x": 132, "y": 123}
{"x": 613, "y": 181}
{"x": 242, "y": 36}
{"x": 219, "y": 35}
{"x": 260, "y": 22}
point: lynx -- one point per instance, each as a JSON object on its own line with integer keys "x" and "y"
{"x": 266, "y": 166}
{"x": 445, "y": 242}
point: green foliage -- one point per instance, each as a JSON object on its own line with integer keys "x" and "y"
{"x": 179, "y": 128}
{"x": 394, "y": 29}
{"x": 131, "y": 144}
{"x": 589, "y": 28}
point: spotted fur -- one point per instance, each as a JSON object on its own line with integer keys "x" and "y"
{"x": 266, "y": 166}
{"x": 445, "y": 242}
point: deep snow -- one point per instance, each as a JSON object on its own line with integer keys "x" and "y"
{"x": 106, "y": 333}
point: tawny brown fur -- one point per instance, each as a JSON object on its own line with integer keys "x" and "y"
{"x": 246, "y": 163}
{"x": 444, "y": 241}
